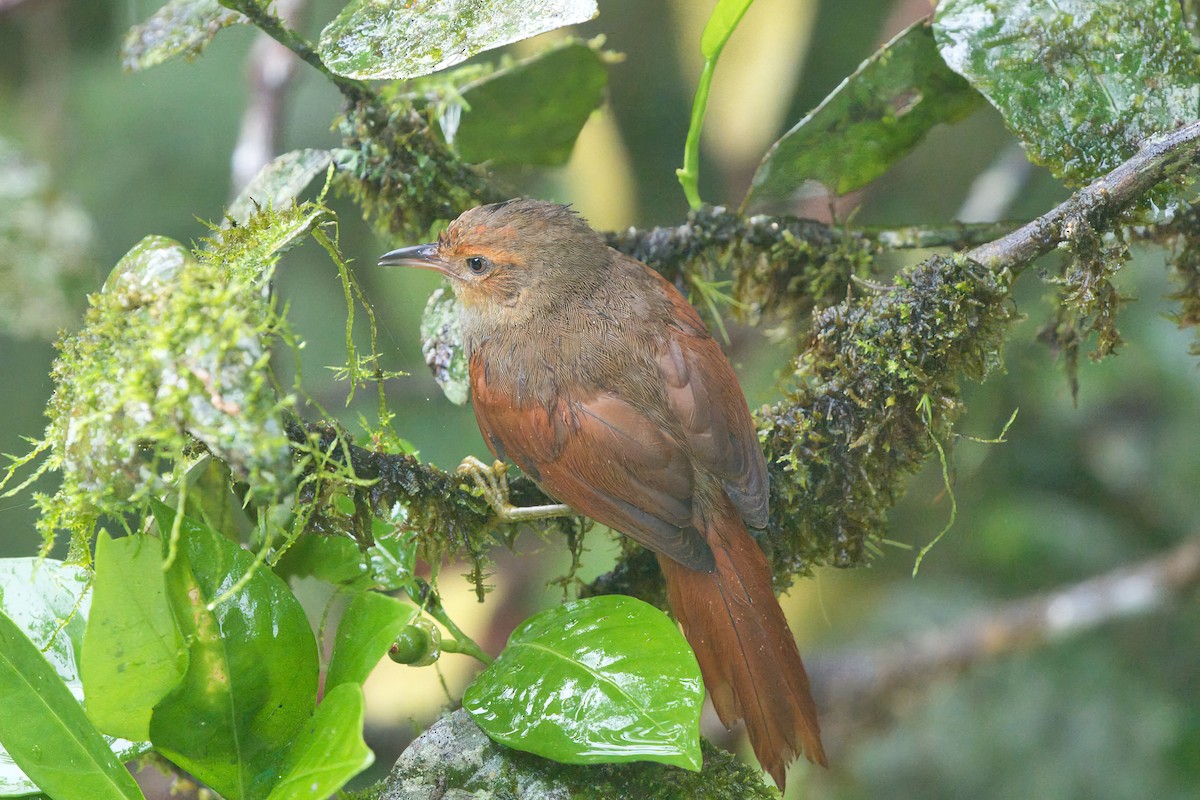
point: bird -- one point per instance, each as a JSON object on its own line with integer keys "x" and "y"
{"x": 593, "y": 374}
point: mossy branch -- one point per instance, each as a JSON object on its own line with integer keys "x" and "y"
{"x": 877, "y": 385}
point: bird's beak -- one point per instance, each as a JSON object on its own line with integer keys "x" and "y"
{"x": 422, "y": 256}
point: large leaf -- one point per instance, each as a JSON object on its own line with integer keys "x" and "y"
{"x": 868, "y": 123}
{"x": 133, "y": 652}
{"x": 531, "y": 112}
{"x": 1080, "y": 82}
{"x": 329, "y": 751}
{"x": 372, "y": 39}
{"x": 47, "y": 740}
{"x": 607, "y": 679}
{"x": 368, "y": 628}
{"x": 179, "y": 28}
{"x": 251, "y": 682}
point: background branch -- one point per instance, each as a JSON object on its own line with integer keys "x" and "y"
{"x": 858, "y": 682}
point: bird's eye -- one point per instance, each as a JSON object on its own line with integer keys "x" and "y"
{"x": 477, "y": 264}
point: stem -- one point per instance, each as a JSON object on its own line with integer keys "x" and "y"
{"x": 273, "y": 26}
{"x": 689, "y": 174}
{"x": 461, "y": 643}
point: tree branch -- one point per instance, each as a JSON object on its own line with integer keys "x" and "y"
{"x": 855, "y": 682}
{"x": 1100, "y": 202}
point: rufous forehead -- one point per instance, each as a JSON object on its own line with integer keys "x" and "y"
{"x": 480, "y": 239}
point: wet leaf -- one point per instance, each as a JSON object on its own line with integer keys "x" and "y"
{"x": 180, "y": 28}
{"x": 329, "y": 751}
{"x": 377, "y": 40}
{"x": 133, "y": 652}
{"x": 371, "y": 623}
{"x": 1080, "y": 82}
{"x": 531, "y": 112}
{"x": 868, "y": 123}
{"x": 251, "y": 683}
{"x": 279, "y": 182}
{"x": 603, "y": 680}
{"x": 442, "y": 345}
{"x": 43, "y": 729}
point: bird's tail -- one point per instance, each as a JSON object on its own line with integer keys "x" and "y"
{"x": 746, "y": 652}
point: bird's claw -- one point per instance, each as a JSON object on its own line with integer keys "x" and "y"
{"x": 492, "y": 482}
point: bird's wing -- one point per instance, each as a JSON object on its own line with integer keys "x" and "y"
{"x": 602, "y": 457}
{"x": 704, "y": 395}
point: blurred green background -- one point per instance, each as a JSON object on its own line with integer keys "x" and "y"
{"x": 1078, "y": 489}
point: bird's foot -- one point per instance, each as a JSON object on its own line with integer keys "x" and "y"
{"x": 493, "y": 485}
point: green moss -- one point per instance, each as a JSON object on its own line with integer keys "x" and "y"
{"x": 781, "y": 267}
{"x": 1086, "y": 302}
{"x": 401, "y": 174}
{"x": 172, "y": 359}
{"x": 1185, "y": 267}
{"x": 877, "y": 385}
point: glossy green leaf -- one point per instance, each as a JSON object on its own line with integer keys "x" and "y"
{"x": 1080, "y": 82}
{"x": 333, "y": 559}
{"x": 602, "y": 680}
{"x": 280, "y": 182}
{"x": 868, "y": 123}
{"x": 531, "y": 112}
{"x": 48, "y": 742}
{"x": 133, "y": 652}
{"x": 721, "y": 23}
{"x": 442, "y": 344}
{"x": 329, "y": 751}
{"x": 370, "y": 624}
{"x": 251, "y": 682}
{"x": 370, "y": 39}
{"x": 179, "y": 28}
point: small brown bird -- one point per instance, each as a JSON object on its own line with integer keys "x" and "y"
{"x": 597, "y": 378}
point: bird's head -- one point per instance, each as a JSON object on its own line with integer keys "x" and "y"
{"x": 510, "y": 261}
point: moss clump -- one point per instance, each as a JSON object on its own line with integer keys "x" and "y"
{"x": 1086, "y": 302}
{"x": 401, "y": 174}
{"x": 173, "y": 357}
{"x": 878, "y": 384}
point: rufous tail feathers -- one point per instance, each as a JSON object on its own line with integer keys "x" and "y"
{"x": 746, "y": 652}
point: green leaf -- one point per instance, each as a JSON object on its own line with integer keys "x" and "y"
{"x": 329, "y": 751}
{"x": 251, "y": 682}
{"x": 531, "y": 112}
{"x": 603, "y": 680}
{"x": 370, "y": 39}
{"x": 371, "y": 623}
{"x": 179, "y": 28}
{"x": 868, "y": 123}
{"x": 721, "y": 23}
{"x": 1080, "y": 82}
{"x": 334, "y": 559}
{"x": 43, "y": 729}
{"x": 442, "y": 344}
{"x": 279, "y": 182}
{"x": 133, "y": 652}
